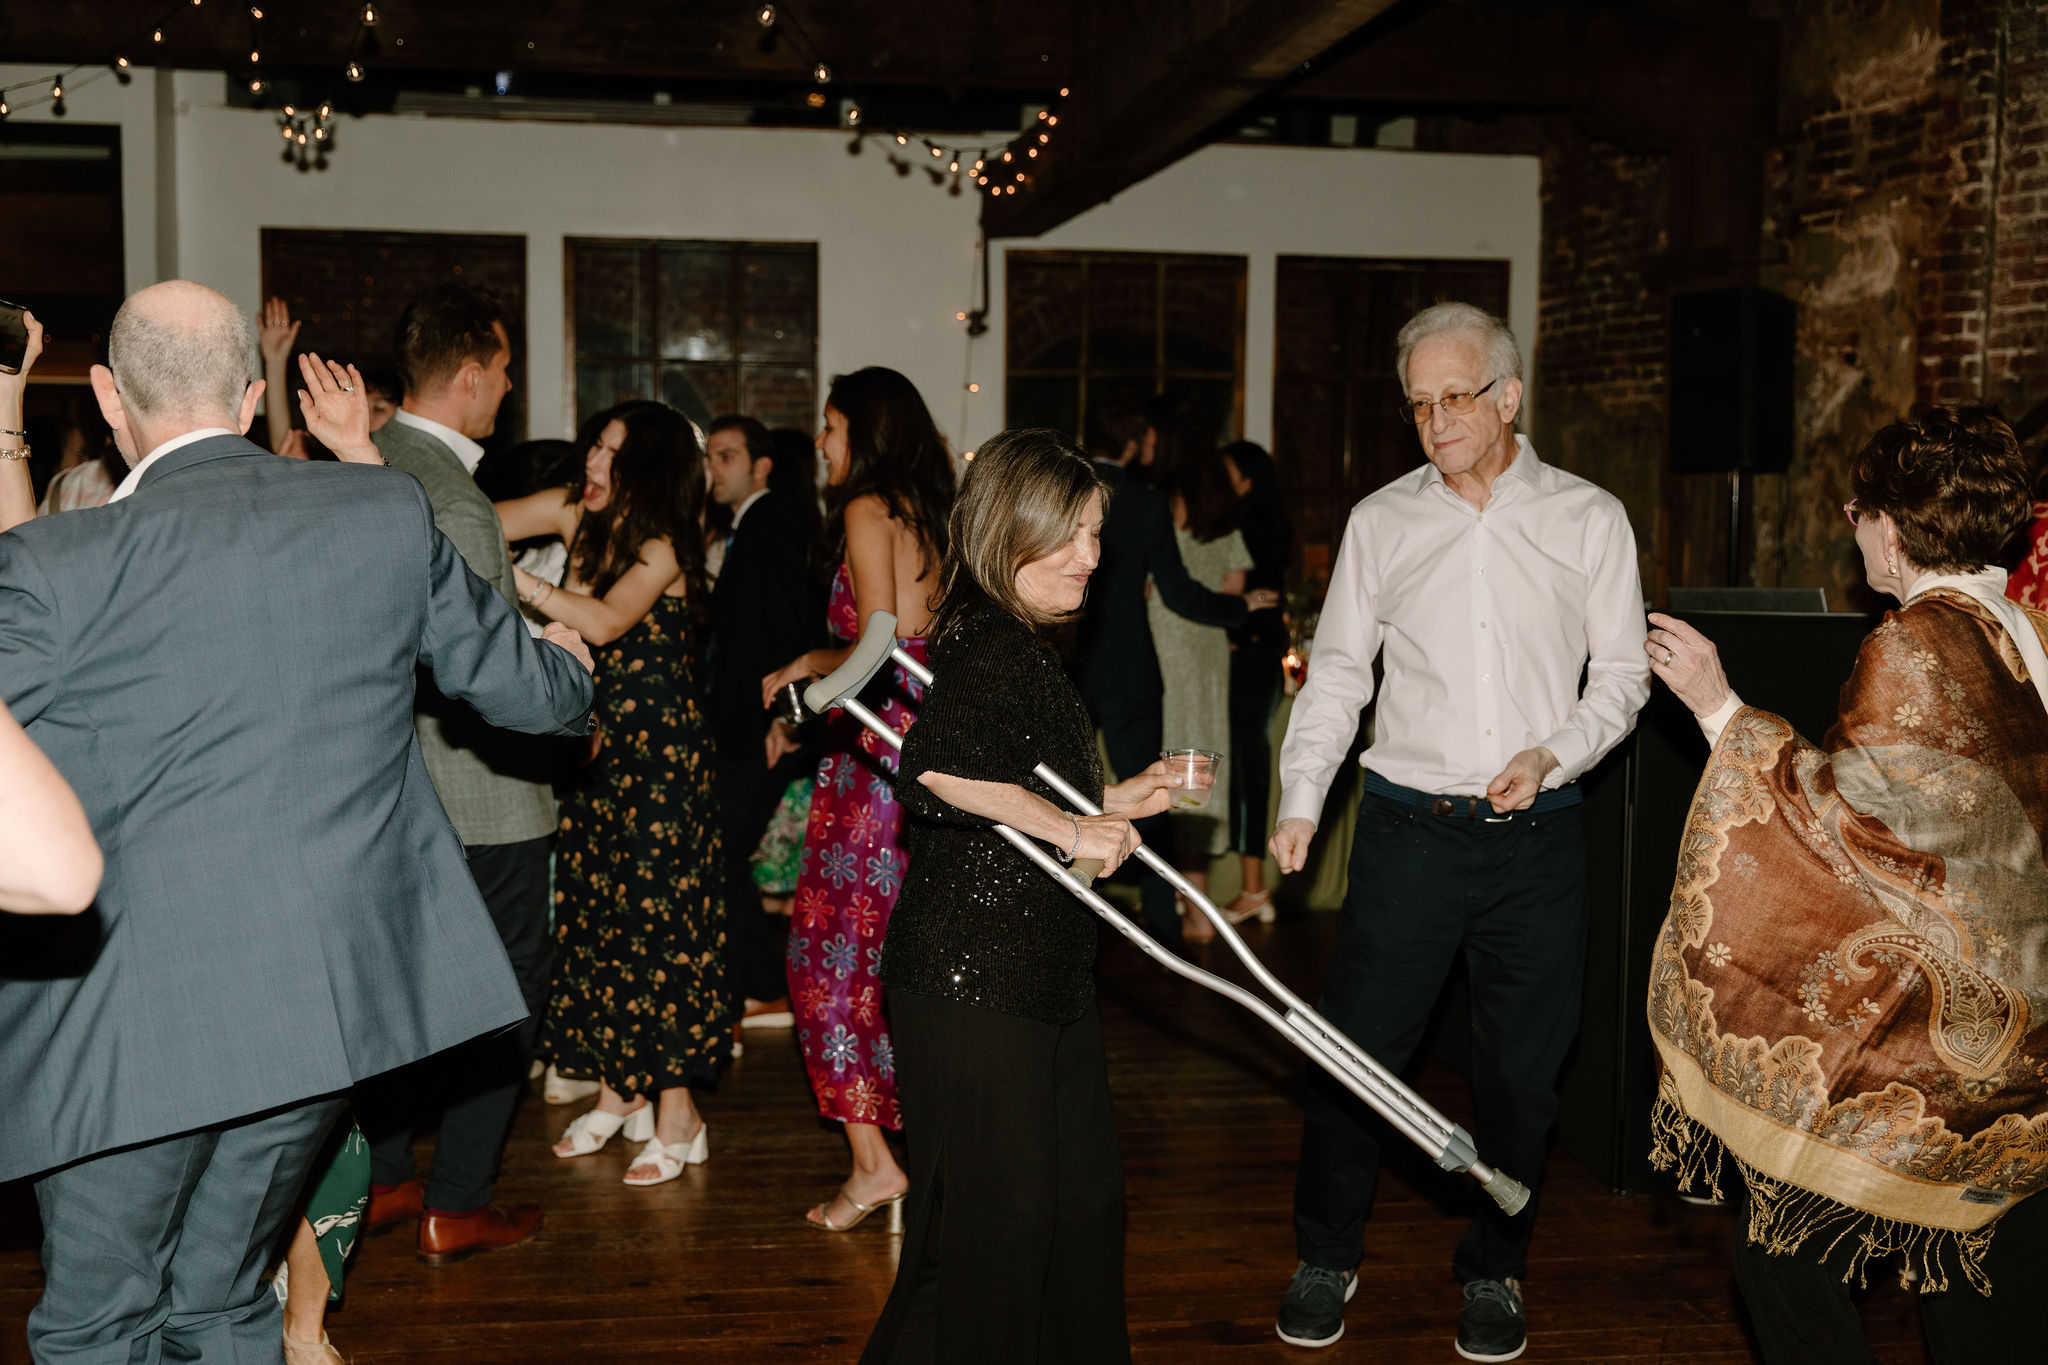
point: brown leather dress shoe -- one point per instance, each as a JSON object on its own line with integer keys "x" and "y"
{"x": 448, "y": 1238}
{"x": 399, "y": 1204}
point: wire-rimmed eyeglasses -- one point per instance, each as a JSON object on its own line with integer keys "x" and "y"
{"x": 1453, "y": 404}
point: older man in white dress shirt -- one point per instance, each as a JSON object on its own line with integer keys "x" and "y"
{"x": 1488, "y": 582}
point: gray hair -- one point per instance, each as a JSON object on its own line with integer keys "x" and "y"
{"x": 195, "y": 360}
{"x": 1503, "y": 357}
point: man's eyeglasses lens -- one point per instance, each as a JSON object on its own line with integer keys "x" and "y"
{"x": 1453, "y": 404}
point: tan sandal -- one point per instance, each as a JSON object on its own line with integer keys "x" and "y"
{"x": 823, "y": 1222}
{"x": 1251, "y": 905}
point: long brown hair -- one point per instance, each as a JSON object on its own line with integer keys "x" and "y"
{"x": 894, "y": 452}
{"x": 1023, "y": 497}
{"x": 657, "y": 491}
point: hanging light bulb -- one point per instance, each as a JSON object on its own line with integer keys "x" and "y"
{"x": 57, "y": 89}
{"x": 120, "y": 63}
{"x": 936, "y": 153}
{"x": 369, "y": 16}
{"x": 354, "y": 71}
{"x": 1044, "y": 138}
{"x": 994, "y": 191}
{"x": 1033, "y": 152}
{"x": 902, "y": 141}
{"x": 1063, "y": 92}
{"x": 766, "y": 14}
{"x": 255, "y": 56}
{"x": 822, "y": 74}
{"x": 4, "y": 110}
{"x": 981, "y": 180}
{"x": 955, "y": 166}
{"x": 256, "y": 87}
{"x": 1009, "y": 189}
{"x": 1006, "y": 156}
{"x": 853, "y": 116}
{"x": 285, "y": 131}
{"x": 326, "y": 111}
{"x": 979, "y": 162}
{"x": 290, "y": 109}
{"x": 255, "y": 12}
{"x": 157, "y": 36}
{"x": 319, "y": 135}
{"x": 1052, "y": 120}
{"x": 301, "y": 139}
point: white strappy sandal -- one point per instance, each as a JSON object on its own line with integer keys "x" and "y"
{"x": 669, "y": 1159}
{"x": 588, "y": 1132}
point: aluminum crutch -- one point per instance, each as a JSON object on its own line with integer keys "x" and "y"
{"x": 1447, "y": 1143}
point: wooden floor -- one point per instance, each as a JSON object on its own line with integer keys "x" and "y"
{"x": 719, "y": 1266}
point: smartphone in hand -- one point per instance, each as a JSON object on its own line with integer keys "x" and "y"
{"x": 13, "y": 337}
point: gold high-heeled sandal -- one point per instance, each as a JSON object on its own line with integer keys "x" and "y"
{"x": 1257, "y": 905}
{"x": 823, "y": 1222}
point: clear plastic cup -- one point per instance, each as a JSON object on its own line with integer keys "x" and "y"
{"x": 1198, "y": 770}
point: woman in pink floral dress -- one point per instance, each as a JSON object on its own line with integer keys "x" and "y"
{"x": 890, "y": 484}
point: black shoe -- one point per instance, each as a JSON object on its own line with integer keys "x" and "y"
{"x": 1490, "y": 1325}
{"x": 1312, "y": 1313}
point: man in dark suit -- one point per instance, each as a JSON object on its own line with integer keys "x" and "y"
{"x": 454, "y": 352}
{"x": 221, "y": 662}
{"x": 765, "y": 610}
{"x": 1115, "y": 666}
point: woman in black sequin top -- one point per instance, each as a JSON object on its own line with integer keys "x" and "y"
{"x": 1013, "y": 1250}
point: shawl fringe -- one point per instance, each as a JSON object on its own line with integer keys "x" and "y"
{"x": 1784, "y": 1216}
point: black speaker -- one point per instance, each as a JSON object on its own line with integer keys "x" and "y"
{"x": 1731, "y": 381}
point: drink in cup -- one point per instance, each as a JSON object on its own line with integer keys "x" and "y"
{"x": 1197, "y": 771}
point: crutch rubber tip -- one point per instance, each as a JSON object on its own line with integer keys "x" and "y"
{"x": 1511, "y": 1194}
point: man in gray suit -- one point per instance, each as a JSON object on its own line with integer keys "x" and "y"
{"x": 222, "y": 663}
{"x": 454, "y": 353}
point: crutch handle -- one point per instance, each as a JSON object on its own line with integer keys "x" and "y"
{"x": 877, "y": 638}
{"x": 1086, "y": 870}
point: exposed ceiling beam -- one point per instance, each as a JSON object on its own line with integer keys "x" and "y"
{"x": 1001, "y": 44}
{"x": 1634, "y": 76}
{"x": 1152, "y": 79}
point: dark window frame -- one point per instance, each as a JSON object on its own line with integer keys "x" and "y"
{"x": 1160, "y": 372}
{"x": 648, "y": 325}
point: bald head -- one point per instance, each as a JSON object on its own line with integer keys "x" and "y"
{"x": 181, "y": 351}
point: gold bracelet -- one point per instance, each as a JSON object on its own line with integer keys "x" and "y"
{"x": 20, "y": 454}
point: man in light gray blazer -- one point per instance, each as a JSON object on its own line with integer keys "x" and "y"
{"x": 222, "y": 663}
{"x": 454, "y": 352}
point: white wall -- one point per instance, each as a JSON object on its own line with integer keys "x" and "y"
{"x": 896, "y": 256}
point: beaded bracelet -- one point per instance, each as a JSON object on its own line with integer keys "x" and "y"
{"x": 18, "y": 454}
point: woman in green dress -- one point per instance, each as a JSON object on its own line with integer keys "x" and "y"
{"x": 641, "y": 999}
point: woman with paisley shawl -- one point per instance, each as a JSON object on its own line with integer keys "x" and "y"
{"x": 1850, "y": 993}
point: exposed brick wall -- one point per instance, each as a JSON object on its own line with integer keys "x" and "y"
{"x": 2017, "y": 342}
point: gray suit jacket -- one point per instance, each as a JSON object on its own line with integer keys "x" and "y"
{"x": 495, "y": 785}
{"x": 223, "y": 667}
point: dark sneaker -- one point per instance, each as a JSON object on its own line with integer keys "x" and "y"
{"x": 1312, "y": 1313}
{"x": 1490, "y": 1325}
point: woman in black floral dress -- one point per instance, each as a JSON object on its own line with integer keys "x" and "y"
{"x": 640, "y": 999}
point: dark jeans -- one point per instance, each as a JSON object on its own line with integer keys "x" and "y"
{"x": 1131, "y": 733}
{"x": 1013, "y": 1247}
{"x": 473, "y": 1087}
{"x": 1804, "y": 1313}
{"x": 1254, "y": 692}
{"x": 157, "y": 1252}
{"x": 749, "y": 797}
{"x": 1423, "y": 889}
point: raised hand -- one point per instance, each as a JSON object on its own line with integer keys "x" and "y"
{"x": 11, "y": 385}
{"x": 1688, "y": 663}
{"x": 337, "y": 409}
{"x": 276, "y": 334}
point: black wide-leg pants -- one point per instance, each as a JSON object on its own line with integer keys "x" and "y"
{"x": 1424, "y": 890}
{"x": 1803, "y": 1305}
{"x": 1013, "y": 1247}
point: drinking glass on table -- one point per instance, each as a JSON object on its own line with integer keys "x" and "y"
{"x": 1197, "y": 769}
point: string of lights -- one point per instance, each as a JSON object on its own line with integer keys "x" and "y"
{"x": 1001, "y": 169}
{"x": 305, "y": 130}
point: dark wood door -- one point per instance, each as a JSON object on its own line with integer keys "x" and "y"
{"x": 1337, "y": 433}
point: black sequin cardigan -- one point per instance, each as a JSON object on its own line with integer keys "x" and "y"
{"x": 977, "y": 922}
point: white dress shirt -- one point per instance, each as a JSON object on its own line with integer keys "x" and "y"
{"x": 127, "y": 485}
{"x": 466, "y": 450}
{"x": 1487, "y": 617}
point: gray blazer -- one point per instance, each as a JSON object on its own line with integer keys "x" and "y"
{"x": 223, "y": 665}
{"x": 496, "y": 786}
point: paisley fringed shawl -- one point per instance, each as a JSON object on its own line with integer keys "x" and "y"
{"x": 1850, "y": 993}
